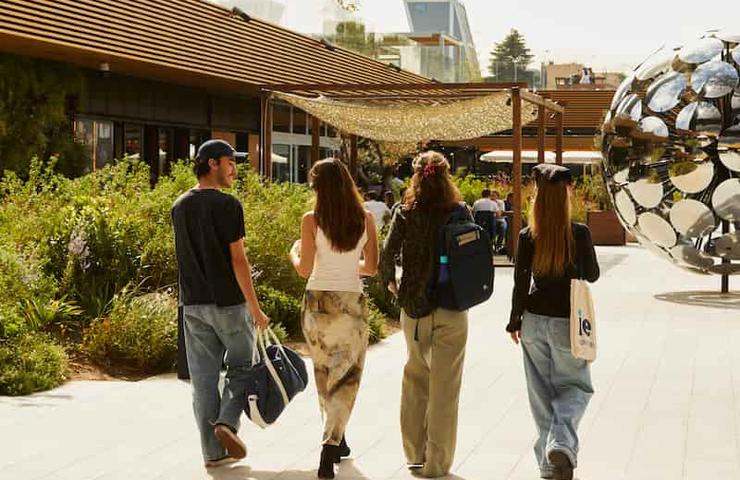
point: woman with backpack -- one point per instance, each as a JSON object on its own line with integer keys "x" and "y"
{"x": 338, "y": 244}
{"x": 435, "y": 337}
{"x": 552, "y": 250}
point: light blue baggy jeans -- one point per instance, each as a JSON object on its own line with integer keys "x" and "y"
{"x": 559, "y": 386}
{"x": 211, "y": 332}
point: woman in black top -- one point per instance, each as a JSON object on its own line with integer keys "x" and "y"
{"x": 435, "y": 337}
{"x": 552, "y": 250}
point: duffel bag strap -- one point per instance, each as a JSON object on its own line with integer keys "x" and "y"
{"x": 263, "y": 339}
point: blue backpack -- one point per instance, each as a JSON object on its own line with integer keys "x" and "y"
{"x": 465, "y": 263}
{"x": 278, "y": 374}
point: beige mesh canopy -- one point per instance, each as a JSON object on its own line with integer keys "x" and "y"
{"x": 414, "y": 122}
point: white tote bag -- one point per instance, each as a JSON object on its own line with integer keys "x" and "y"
{"x": 582, "y": 321}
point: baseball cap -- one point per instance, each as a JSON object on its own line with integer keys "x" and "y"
{"x": 216, "y": 149}
{"x": 552, "y": 173}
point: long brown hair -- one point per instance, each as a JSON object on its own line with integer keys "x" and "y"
{"x": 550, "y": 226}
{"x": 338, "y": 211}
{"x": 431, "y": 186}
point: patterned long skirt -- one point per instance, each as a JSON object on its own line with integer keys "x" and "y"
{"x": 335, "y": 327}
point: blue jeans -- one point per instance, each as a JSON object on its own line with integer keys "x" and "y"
{"x": 211, "y": 332}
{"x": 559, "y": 386}
{"x": 501, "y": 228}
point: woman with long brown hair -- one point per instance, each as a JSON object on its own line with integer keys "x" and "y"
{"x": 338, "y": 245}
{"x": 553, "y": 250}
{"x": 435, "y": 337}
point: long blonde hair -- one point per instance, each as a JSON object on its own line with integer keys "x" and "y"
{"x": 550, "y": 226}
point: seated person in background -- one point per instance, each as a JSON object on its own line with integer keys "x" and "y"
{"x": 501, "y": 225}
{"x": 380, "y": 210}
{"x": 486, "y": 211}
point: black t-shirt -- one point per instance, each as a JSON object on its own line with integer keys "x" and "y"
{"x": 549, "y": 296}
{"x": 206, "y": 221}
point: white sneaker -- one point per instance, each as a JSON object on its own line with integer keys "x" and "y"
{"x": 221, "y": 462}
{"x": 231, "y": 442}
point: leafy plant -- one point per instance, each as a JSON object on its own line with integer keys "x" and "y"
{"x": 283, "y": 309}
{"x": 44, "y": 314}
{"x": 31, "y": 363}
{"x": 376, "y": 323}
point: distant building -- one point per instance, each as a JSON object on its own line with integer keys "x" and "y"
{"x": 578, "y": 76}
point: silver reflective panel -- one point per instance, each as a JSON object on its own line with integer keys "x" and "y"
{"x": 728, "y": 148}
{"x": 714, "y": 79}
{"x": 701, "y": 50}
{"x": 691, "y": 256}
{"x": 728, "y": 246}
{"x": 726, "y": 200}
{"x": 646, "y": 193}
{"x": 686, "y": 115}
{"x": 625, "y": 207}
{"x": 729, "y": 35}
{"x": 630, "y": 106}
{"x": 657, "y": 230}
{"x": 622, "y": 91}
{"x": 691, "y": 218}
{"x": 665, "y": 92}
{"x": 657, "y": 63}
{"x": 693, "y": 179}
{"x": 654, "y": 125}
{"x": 736, "y": 54}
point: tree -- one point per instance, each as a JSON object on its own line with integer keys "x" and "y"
{"x": 349, "y": 5}
{"x": 510, "y": 58}
{"x": 352, "y": 36}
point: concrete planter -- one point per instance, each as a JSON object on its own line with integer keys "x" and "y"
{"x": 605, "y": 228}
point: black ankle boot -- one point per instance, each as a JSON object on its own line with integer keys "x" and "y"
{"x": 328, "y": 456}
{"x": 342, "y": 450}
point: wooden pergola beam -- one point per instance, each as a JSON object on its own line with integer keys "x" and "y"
{"x": 516, "y": 134}
{"x": 361, "y": 87}
{"x": 543, "y": 102}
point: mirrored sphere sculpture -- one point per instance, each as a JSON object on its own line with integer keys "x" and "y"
{"x": 671, "y": 150}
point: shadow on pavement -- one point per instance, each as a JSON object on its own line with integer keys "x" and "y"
{"x": 703, "y": 299}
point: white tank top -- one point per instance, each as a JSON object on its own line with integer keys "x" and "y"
{"x": 336, "y": 271}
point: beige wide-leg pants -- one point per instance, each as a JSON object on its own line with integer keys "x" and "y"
{"x": 431, "y": 388}
{"x": 335, "y": 327}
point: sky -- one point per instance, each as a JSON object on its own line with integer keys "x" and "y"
{"x": 607, "y": 36}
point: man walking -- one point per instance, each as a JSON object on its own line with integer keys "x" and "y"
{"x": 215, "y": 281}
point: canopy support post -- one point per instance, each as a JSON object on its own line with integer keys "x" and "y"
{"x": 353, "y": 156}
{"x": 265, "y": 152}
{"x": 516, "y": 222}
{"x": 541, "y": 116}
{"x": 315, "y": 141}
{"x": 559, "y": 139}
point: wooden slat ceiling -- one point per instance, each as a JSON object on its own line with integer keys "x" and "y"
{"x": 583, "y": 108}
{"x": 189, "y": 41}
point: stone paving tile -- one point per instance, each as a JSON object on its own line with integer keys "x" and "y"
{"x": 667, "y": 402}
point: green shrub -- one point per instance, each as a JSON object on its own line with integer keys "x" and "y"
{"x": 283, "y": 309}
{"x": 30, "y": 363}
{"x": 376, "y": 323}
{"x": 382, "y": 298}
{"x": 139, "y": 332}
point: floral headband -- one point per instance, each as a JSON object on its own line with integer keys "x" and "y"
{"x": 429, "y": 169}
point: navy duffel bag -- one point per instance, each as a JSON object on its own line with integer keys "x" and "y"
{"x": 278, "y": 374}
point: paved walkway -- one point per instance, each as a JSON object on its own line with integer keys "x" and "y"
{"x": 667, "y": 404}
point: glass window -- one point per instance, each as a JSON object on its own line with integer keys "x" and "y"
{"x": 196, "y": 138}
{"x": 97, "y": 136}
{"x": 166, "y": 144}
{"x": 281, "y": 118}
{"x": 301, "y": 163}
{"x": 300, "y": 122}
{"x": 281, "y": 163}
{"x": 133, "y": 138}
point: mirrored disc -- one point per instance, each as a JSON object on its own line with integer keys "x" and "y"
{"x": 630, "y": 106}
{"x": 645, "y": 193}
{"x": 622, "y": 91}
{"x": 656, "y": 229}
{"x": 689, "y": 255}
{"x": 622, "y": 176}
{"x": 728, "y": 269}
{"x": 708, "y": 119}
{"x": 686, "y": 115}
{"x": 729, "y": 148}
{"x": 701, "y": 50}
{"x": 728, "y": 246}
{"x": 665, "y": 92}
{"x": 650, "y": 246}
{"x": 732, "y": 36}
{"x": 691, "y": 218}
{"x": 726, "y": 200}
{"x": 694, "y": 181}
{"x": 654, "y": 125}
{"x": 736, "y": 54}
{"x": 625, "y": 207}
{"x": 714, "y": 79}
{"x": 657, "y": 63}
